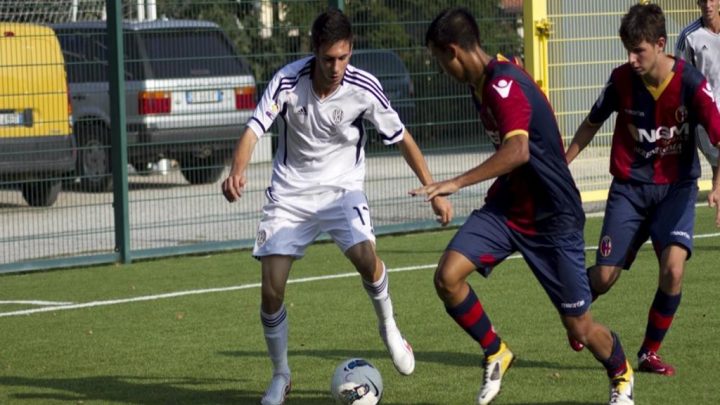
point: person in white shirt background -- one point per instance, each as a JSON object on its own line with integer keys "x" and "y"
{"x": 699, "y": 44}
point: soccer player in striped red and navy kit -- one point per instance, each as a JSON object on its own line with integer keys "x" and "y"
{"x": 659, "y": 102}
{"x": 533, "y": 207}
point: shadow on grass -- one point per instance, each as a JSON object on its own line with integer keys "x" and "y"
{"x": 445, "y": 358}
{"x": 143, "y": 391}
{"x": 554, "y": 403}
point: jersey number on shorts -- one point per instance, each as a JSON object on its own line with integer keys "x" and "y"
{"x": 360, "y": 210}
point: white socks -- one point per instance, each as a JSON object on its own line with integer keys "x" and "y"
{"x": 275, "y": 327}
{"x": 378, "y": 293}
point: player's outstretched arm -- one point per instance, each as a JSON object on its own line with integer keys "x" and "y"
{"x": 513, "y": 152}
{"x": 584, "y": 134}
{"x": 233, "y": 186}
{"x": 413, "y": 156}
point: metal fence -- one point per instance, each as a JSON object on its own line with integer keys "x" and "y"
{"x": 583, "y": 48}
{"x": 173, "y": 84}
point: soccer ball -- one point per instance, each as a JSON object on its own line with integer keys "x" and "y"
{"x": 357, "y": 382}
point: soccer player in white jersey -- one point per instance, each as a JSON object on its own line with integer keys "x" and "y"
{"x": 317, "y": 182}
{"x": 699, "y": 44}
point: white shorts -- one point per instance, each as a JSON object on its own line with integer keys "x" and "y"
{"x": 290, "y": 224}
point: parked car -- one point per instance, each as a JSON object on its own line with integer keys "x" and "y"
{"x": 36, "y": 142}
{"x": 394, "y": 77}
{"x": 188, "y": 95}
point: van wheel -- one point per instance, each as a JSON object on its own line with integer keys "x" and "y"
{"x": 202, "y": 170}
{"x": 94, "y": 165}
{"x": 41, "y": 193}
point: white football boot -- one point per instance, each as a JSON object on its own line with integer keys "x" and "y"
{"x": 400, "y": 350}
{"x": 277, "y": 391}
{"x": 621, "y": 388}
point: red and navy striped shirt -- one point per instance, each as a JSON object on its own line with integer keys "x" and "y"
{"x": 539, "y": 197}
{"x": 654, "y": 137}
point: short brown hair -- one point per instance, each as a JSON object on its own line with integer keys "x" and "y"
{"x": 643, "y": 22}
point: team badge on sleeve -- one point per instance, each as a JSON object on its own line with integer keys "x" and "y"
{"x": 503, "y": 87}
{"x": 274, "y": 108}
{"x": 605, "y": 246}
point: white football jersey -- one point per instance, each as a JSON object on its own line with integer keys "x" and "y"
{"x": 321, "y": 142}
{"x": 701, "y": 47}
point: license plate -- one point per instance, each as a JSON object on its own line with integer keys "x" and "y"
{"x": 11, "y": 119}
{"x": 208, "y": 96}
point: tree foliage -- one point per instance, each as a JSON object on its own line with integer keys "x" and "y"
{"x": 399, "y": 25}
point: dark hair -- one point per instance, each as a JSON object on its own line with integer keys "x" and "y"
{"x": 454, "y": 25}
{"x": 643, "y": 22}
{"x": 330, "y": 27}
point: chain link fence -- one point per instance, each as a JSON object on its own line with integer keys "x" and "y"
{"x": 193, "y": 72}
{"x": 584, "y": 47}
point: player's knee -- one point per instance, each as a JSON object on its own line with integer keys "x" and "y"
{"x": 366, "y": 268}
{"x": 364, "y": 258}
{"x": 600, "y": 287}
{"x": 602, "y": 278}
{"x": 671, "y": 278}
{"x": 578, "y": 328}
{"x": 579, "y": 332}
{"x": 446, "y": 284}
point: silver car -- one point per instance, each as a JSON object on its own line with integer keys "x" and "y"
{"x": 188, "y": 96}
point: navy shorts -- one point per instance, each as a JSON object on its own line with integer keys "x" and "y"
{"x": 558, "y": 261}
{"x": 665, "y": 213}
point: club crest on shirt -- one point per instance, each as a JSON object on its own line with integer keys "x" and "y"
{"x": 681, "y": 114}
{"x": 261, "y": 237}
{"x": 337, "y": 116}
{"x": 605, "y": 246}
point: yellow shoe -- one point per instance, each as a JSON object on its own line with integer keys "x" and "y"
{"x": 495, "y": 366}
{"x": 621, "y": 388}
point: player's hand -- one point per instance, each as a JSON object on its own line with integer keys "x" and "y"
{"x": 714, "y": 201}
{"x": 430, "y": 191}
{"x": 233, "y": 186}
{"x": 443, "y": 209}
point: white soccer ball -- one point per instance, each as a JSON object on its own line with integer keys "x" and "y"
{"x": 357, "y": 382}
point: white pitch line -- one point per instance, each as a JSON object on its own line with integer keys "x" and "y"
{"x": 234, "y": 288}
{"x": 174, "y": 294}
{"x": 26, "y": 302}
